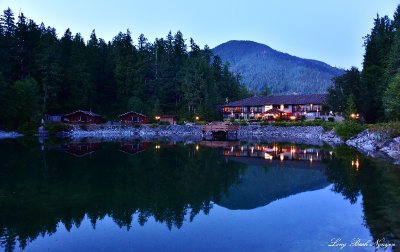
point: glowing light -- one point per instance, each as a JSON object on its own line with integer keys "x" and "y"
{"x": 311, "y": 159}
{"x": 197, "y": 147}
{"x": 158, "y": 146}
{"x": 252, "y": 149}
{"x": 330, "y": 153}
{"x": 355, "y": 163}
{"x": 157, "y": 117}
{"x": 282, "y": 157}
{"x": 197, "y": 118}
{"x": 267, "y": 156}
{"x": 292, "y": 118}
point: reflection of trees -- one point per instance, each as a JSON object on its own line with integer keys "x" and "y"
{"x": 167, "y": 184}
{"x": 343, "y": 175}
{"x": 379, "y": 184}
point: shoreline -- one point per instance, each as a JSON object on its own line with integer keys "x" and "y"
{"x": 370, "y": 144}
{"x": 299, "y": 134}
{"x": 9, "y": 134}
{"x": 376, "y": 145}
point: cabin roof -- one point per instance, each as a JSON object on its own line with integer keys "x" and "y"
{"x": 132, "y": 112}
{"x": 279, "y": 99}
{"x": 84, "y": 112}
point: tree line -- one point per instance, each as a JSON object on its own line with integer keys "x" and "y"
{"x": 41, "y": 73}
{"x": 374, "y": 92}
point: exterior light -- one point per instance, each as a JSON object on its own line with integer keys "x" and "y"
{"x": 197, "y": 147}
{"x": 158, "y": 147}
{"x": 157, "y": 117}
{"x": 197, "y": 118}
{"x": 267, "y": 156}
{"x": 292, "y": 118}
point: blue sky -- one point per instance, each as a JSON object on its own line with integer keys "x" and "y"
{"x": 326, "y": 30}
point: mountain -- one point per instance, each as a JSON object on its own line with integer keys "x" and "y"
{"x": 261, "y": 65}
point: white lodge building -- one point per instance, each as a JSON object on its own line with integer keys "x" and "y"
{"x": 265, "y": 107}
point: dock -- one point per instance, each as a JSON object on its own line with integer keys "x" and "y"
{"x": 219, "y": 129}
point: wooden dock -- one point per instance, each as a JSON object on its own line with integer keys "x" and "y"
{"x": 219, "y": 129}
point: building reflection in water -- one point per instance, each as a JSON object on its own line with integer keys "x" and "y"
{"x": 83, "y": 148}
{"x": 276, "y": 151}
{"x": 134, "y": 147}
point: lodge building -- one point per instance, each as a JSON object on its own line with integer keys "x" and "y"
{"x": 271, "y": 107}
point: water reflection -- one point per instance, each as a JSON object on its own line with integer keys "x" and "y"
{"x": 166, "y": 184}
{"x": 277, "y": 151}
{"x": 175, "y": 182}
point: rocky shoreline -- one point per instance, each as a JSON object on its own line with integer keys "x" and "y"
{"x": 375, "y": 144}
{"x": 306, "y": 135}
{"x": 11, "y": 134}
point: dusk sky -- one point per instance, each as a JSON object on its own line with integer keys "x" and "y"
{"x": 331, "y": 31}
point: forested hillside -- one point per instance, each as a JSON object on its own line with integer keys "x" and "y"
{"x": 375, "y": 91}
{"x": 43, "y": 72}
{"x": 262, "y": 66}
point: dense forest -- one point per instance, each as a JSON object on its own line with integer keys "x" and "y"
{"x": 373, "y": 92}
{"x": 262, "y": 67}
{"x": 41, "y": 73}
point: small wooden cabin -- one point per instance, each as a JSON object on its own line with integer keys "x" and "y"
{"x": 133, "y": 118}
{"x": 171, "y": 119}
{"x": 82, "y": 117}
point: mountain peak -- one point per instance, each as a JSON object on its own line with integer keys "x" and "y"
{"x": 261, "y": 66}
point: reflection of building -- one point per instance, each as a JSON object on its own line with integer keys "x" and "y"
{"x": 82, "y": 117}
{"x": 274, "y": 107}
{"x": 81, "y": 149}
{"x": 133, "y": 148}
{"x": 278, "y": 152}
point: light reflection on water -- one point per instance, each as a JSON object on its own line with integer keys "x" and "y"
{"x": 232, "y": 196}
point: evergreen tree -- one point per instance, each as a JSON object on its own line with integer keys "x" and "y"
{"x": 392, "y": 99}
{"x": 61, "y": 75}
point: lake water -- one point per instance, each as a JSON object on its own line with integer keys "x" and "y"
{"x": 205, "y": 196}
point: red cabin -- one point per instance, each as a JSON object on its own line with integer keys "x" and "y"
{"x": 133, "y": 118}
{"x": 82, "y": 117}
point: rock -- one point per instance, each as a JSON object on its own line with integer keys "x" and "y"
{"x": 11, "y": 134}
{"x": 376, "y": 144}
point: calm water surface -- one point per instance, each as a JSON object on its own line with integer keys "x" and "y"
{"x": 205, "y": 196}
